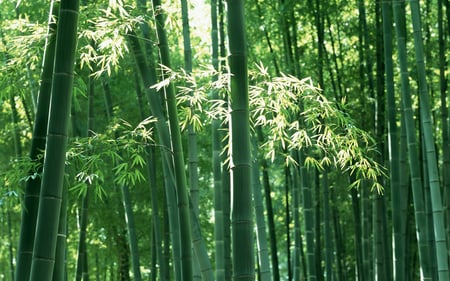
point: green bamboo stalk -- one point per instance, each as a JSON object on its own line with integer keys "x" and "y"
{"x": 82, "y": 266}
{"x": 270, "y": 212}
{"x": 444, "y": 116}
{"x": 317, "y": 228}
{"x": 427, "y": 124}
{"x": 177, "y": 149}
{"x": 393, "y": 146}
{"x": 408, "y": 225}
{"x": 192, "y": 159}
{"x": 82, "y": 237}
{"x": 378, "y": 261}
{"x": 216, "y": 159}
{"x": 447, "y": 5}
{"x": 17, "y": 154}
{"x": 428, "y": 208}
{"x": 358, "y": 225}
{"x": 226, "y": 188}
{"x": 284, "y": 9}
{"x": 199, "y": 247}
{"x": 296, "y": 186}
{"x": 308, "y": 213}
{"x": 54, "y": 161}
{"x": 287, "y": 187}
{"x": 261, "y": 236}
{"x": 384, "y": 256}
{"x": 60, "y": 269}
{"x": 148, "y": 77}
{"x": 366, "y": 231}
{"x": 340, "y": 247}
{"x": 123, "y": 252}
{"x": 132, "y": 236}
{"x": 365, "y": 68}
{"x": 269, "y": 43}
{"x": 151, "y": 169}
{"x": 32, "y": 187}
{"x": 240, "y": 155}
{"x": 335, "y": 59}
{"x": 7, "y": 213}
{"x": 126, "y": 198}
{"x": 416, "y": 181}
{"x": 327, "y": 231}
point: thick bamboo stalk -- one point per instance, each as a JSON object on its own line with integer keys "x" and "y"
{"x": 240, "y": 157}
{"x": 60, "y": 268}
{"x": 54, "y": 160}
{"x": 32, "y": 187}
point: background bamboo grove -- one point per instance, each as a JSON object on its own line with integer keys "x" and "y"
{"x": 224, "y": 140}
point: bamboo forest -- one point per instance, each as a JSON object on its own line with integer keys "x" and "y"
{"x": 225, "y": 140}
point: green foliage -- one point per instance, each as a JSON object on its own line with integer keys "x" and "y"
{"x": 296, "y": 115}
{"x": 192, "y": 95}
{"x": 293, "y": 112}
{"x": 18, "y": 171}
{"x": 330, "y": 123}
{"x": 20, "y": 54}
{"x": 105, "y": 40}
{"x": 90, "y": 157}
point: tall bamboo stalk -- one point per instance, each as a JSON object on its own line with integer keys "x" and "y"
{"x": 240, "y": 156}
{"x": 270, "y": 212}
{"x": 416, "y": 180}
{"x": 444, "y": 115}
{"x": 148, "y": 77}
{"x": 295, "y": 191}
{"x": 32, "y": 187}
{"x": 307, "y": 204}
{"x": 398, "y": 220}
{"x": 216, "y": 158}
{"x": 427, "y": 124}
{"x": 54, "y": 161}
{"x": 177, "y": 149}
{"x": 261, "y": 236}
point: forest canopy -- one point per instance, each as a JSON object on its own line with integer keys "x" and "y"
{"x": 224, "y": 140}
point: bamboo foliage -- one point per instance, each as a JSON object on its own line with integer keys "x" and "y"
{"x": 289, "y": 82}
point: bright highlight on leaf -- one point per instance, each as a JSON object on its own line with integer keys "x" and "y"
{"x": 297, "y": 116}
